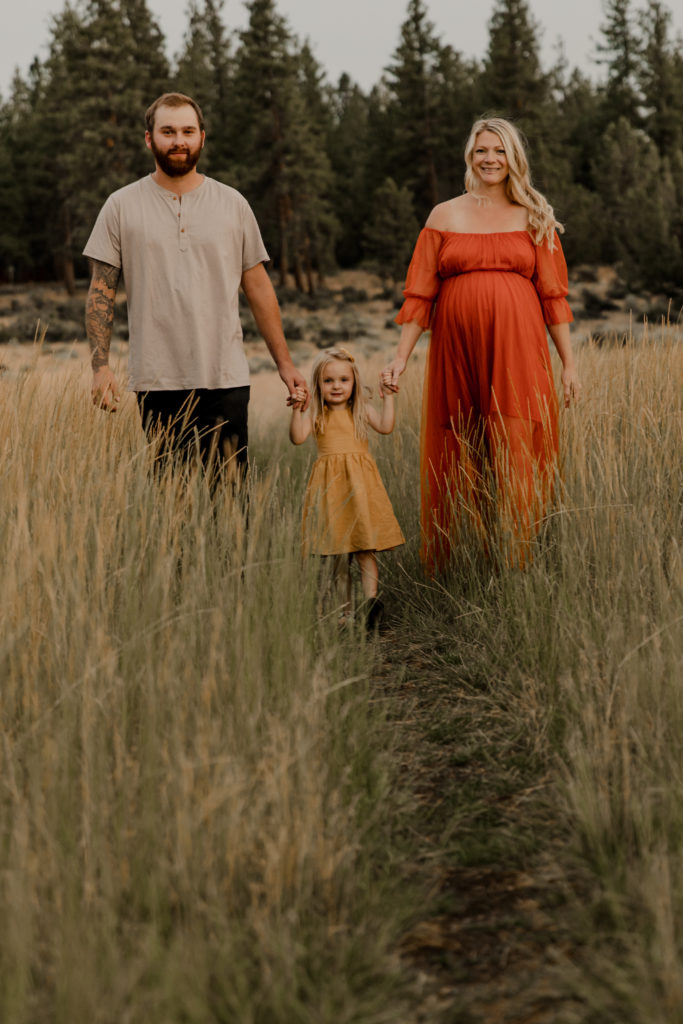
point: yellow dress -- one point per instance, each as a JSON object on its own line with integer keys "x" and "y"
{"x": 346, "y": 507}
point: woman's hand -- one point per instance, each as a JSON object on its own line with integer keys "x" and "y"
{"x": 388, "y": 378}
{"x": 571, "y": 385}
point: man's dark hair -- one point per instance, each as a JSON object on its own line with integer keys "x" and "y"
{"x": 172, "y": 99}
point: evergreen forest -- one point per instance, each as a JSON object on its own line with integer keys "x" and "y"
{"x": 339, "y": 177}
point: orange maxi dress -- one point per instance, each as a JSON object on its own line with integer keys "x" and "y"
{"x": 489, "y": 397}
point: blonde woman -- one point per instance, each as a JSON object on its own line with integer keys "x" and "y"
{"x": 487, "y": 277}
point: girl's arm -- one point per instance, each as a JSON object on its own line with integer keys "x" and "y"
{"x": 300, "y": 424}
{"x": 382, "y": 421}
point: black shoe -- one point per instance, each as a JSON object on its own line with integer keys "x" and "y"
{"x": 374, "y": 614}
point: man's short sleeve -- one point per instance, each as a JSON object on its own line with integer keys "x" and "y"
{"x": 253, "y": 249}
{"x": 104, "y": 243}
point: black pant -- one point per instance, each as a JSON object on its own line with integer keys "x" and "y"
{"x": 209, "y": 423}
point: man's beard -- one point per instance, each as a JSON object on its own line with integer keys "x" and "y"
{"x": 172, "y": 165}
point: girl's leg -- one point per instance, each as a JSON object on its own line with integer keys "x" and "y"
{"x": 369, "y": 576}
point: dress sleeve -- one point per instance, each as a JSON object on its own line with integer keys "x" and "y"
{"x": 422, "y": 281}
{"x": 551, "y": 282}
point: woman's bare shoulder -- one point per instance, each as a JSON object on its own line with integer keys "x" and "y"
{"x": 444, "y": 216}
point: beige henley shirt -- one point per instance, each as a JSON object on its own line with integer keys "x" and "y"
{"x": 182, "y": 260}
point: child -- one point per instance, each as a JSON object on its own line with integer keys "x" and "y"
{"x": 346, "y": 508}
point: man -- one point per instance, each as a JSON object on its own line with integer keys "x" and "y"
{"x": 184, "y": 243}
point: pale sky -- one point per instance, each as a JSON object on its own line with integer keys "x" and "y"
{"x": 357, "y": 36}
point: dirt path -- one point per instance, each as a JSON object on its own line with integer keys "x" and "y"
{"x": 493, "y": 941}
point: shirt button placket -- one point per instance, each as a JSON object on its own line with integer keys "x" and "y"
{"x": 182, "y": 234}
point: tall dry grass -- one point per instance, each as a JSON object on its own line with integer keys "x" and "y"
{"x": 200, "y": 814}
{"x": 583, "y": 655}
{"x": 194, "y": 784}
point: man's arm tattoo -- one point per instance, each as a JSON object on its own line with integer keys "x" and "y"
{"x": 99, "y": 311}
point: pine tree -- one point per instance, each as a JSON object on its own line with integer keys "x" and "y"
{"x": 23, "y": 184}
{"x": 661, "y": 79}
{"x": 148, "y": 47}
{"x": 676, "y": 213}
{"x": 638, "y": 192}
{"x": 283, "y": 168}
{"x": 389, "y": 236}
{"x": 574, "y": 138}
{"x": 313, "y": 88}
{"x": 619, "y": 55}
{"x": 203, "y": 72}
{"x": 13, "y": 247}
{"x": 381, "y": 160}
{"x": 349, "y": 144}
{"x": 194, "y": 70}
{"x": 513, "y": 84}
{"x": 456, "y": 85}
{"x": 581, "y": 125}
{"x": 414, "y": 110}
{"x": 105, "y": 67}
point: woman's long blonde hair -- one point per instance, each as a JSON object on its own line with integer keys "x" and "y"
{"x": 542, "y": 222}
{"x": 357, "y": 401}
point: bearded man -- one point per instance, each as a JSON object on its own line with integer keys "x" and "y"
{"x": 184, "y": 244}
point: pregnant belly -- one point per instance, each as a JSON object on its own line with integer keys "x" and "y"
{"x": 483, "y": 297}
{"x": 489, "y": 338}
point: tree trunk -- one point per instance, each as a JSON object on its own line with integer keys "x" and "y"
{"x": 308, "y": 265}
{"x": 298, "y": 272}
{"x": 68, "y": 274}
{"x": 433, "y": 178}
{"x": 67, "y": 260}
{"x": 283, "y": 217}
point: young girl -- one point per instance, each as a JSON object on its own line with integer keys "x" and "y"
{"x": 346, "y": 508}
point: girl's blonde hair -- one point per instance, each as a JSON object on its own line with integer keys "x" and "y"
{"x": 542, "y": 223}
{"x": 357, "y": 401}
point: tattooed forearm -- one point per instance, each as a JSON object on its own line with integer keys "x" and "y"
{"x": 99, "y": 311}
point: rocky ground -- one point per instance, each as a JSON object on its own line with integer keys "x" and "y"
{"x": 354, "y": 308}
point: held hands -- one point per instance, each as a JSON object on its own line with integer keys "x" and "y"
{"x": 299, "y": 399}
{"x": 105, "y": 389}
{"x": 296, "y": 384}
{"x": 388, "y": 378}
{"x": 299, "y": 425}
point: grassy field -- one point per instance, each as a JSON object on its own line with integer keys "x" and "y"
{"x": 216, "y": 807}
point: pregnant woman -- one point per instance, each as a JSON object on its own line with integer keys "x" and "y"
{"x": 487, "y": 277}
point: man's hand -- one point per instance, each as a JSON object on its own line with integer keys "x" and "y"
{"x": 299, "y": 401}
{"x": 296, "y": 385}
{"x": 105, "y": 389}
